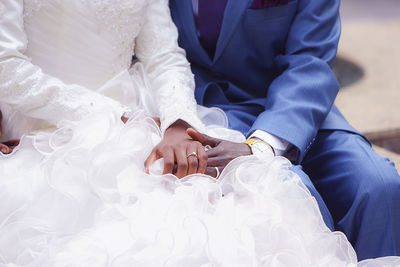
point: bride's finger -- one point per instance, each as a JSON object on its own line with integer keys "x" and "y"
{"x": 150, "y": 160}
{"x": 192, "y": 158}
{"x": 169, "y": 160}
{"x": 5, "y": 149}
{"x": 202, "y": 154}
{"x": 12, "y": 143}
{"x": 181, "y": 161}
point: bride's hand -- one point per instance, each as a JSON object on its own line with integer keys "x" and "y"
{"x": 3, "y": 148}
{"x": 177, "y": 148}
{"x": 6, "y": 147}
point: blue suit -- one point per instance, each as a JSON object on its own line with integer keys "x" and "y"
{"x": 272, "y": 71}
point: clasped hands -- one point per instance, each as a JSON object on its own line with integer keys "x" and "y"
{"x": 178, "y": 145}
{"x": 183, "y": 151}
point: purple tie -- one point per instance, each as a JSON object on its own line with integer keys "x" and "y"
{"x": 209, "y": 22}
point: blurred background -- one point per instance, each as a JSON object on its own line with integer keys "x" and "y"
{"x": 368, "y": 69}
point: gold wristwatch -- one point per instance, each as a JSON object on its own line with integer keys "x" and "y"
{"x": 258, "y": 146}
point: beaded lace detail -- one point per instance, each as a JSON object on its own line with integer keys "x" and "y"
{"x": 124, "y": 18}
{"x": 177, "y": 101}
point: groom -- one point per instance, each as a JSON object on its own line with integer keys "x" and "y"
{"x": 267, "y": 64}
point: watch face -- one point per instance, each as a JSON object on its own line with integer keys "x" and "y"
{"x": 259, "y": 147}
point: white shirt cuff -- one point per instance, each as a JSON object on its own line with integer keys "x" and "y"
{"x": 280, "y": 146}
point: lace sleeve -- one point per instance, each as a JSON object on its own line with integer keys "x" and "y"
{"x": 165, "y": 62}
{"x": 26, "y": 88}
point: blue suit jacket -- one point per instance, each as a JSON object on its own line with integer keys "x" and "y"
{"x": 271, "y": 70}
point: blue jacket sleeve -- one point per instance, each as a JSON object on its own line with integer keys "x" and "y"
{"x": 300, "y": 98}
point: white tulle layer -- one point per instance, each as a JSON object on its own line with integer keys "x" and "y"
{"x": 80, "y": 197}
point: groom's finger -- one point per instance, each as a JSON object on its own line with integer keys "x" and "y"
{"x": 203, "y": 138}
{"x": 216, "y": 162}
{"x": 150, "y": 160}
{"x": 197, "y": 136}
{"x": 212, "y": 171}
{"x": 214, "y": 152}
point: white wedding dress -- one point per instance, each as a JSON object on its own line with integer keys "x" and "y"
{"x": 74, "y": 193}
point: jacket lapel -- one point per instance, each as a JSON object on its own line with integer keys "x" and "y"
{"x": 184, "y": 9}
{"x": 233, "y": 14}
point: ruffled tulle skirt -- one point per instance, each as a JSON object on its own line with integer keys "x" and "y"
{"x": 79, "y": 196}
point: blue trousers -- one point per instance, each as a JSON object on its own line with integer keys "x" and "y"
{"x": 358, "y": 191}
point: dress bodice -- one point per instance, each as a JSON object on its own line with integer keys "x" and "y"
{"x": 86, "y": 42}
{"x": 63, "y": 60}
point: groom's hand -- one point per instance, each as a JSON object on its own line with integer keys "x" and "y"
{"x": 178, "y": 149}
{"x": 221, "y": 153}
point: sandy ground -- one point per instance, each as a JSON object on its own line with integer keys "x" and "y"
{"x": 370, "y": 40}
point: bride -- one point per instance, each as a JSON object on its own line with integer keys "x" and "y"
{"x": 75, "y": 192}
